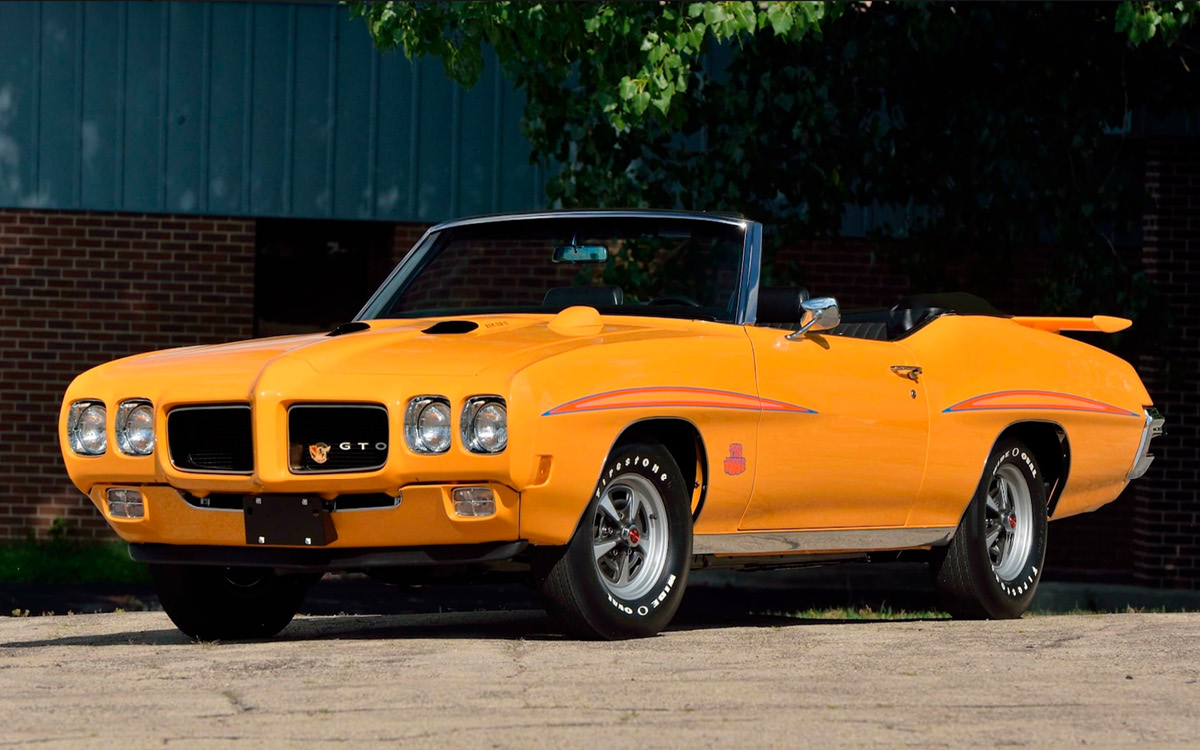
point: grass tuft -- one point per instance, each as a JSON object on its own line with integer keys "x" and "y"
{"x": 67, "y": 561}
{"x": 862, "y": 613}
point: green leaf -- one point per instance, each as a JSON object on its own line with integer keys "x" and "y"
{"x": 640, "y": 101}
{"x": 781, "y": 21}
{"x": 627, "y": 88}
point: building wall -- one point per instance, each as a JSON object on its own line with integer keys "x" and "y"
{"x": 1166, "y": 522}
{"x": 78, "y": 289}
{"x": 280, "y": 109}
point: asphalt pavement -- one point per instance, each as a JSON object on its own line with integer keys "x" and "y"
{"x": 504, "y": 679}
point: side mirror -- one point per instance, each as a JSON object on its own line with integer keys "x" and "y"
{"x": 819, "y": 314}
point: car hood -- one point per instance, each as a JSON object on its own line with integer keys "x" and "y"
{"x": 414, "y": 347}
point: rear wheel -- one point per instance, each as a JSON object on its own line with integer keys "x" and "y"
{"x": 992, "y": 566}
{"x": 623, "y": 573}
{"x": 211, "y": 603}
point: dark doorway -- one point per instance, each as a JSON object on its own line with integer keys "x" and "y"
{"x": 311, "y": 275}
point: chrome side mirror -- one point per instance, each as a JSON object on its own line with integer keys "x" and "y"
{"x": 819, "y": 314}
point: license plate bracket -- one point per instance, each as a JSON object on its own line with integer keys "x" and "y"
{"x": 287, "y": 520}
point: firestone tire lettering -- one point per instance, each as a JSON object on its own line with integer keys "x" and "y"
{"x": 571, "y": 582}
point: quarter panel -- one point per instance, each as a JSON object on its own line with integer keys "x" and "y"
{"x": 965, "y": 357}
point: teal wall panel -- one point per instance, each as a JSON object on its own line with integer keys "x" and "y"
{"x": 313, "y": 110}
{"x": 19, "y": 76}
{"x": 397, "y": 154}
{"x": 258, "y": 108}
{"x": 226, "y": 185}
{"x": 355, "y": 121}
{"x": 187, "y": 107}
{"x": 437, "y": 122}
{"x": 145, "y": 107}
{"x": 101, "y": 123}
{"x": 271, "y": 108}
{"x": 58, "y": 114}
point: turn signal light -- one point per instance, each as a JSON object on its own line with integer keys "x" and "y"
{"x": 124, "y": 503}
{"x": 473, "y": 502}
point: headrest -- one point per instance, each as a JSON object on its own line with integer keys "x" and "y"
{"x": 780, "y": 304}
{"x": 589, "y": 296}
{"x": 909, "y": 314}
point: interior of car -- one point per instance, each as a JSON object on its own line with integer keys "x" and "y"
{"x": 778, "y": 308}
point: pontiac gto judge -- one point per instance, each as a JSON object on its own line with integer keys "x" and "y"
{"x": 603, "y": 400}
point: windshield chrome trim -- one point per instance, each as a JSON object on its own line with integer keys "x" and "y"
{"x": 747, "y": 307}
{"x": 747, "y": 304}
{"x": 627, "y": 213}
{"x": 408, "y": 256}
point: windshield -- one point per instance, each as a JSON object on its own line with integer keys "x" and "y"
{"x": 666, "y": 267}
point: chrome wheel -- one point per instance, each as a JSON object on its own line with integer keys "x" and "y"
{"x": 1008, "y": 522}
{"x": 629, "y": 536}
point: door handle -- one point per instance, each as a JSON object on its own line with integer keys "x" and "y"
{"x": 912, "y": 372}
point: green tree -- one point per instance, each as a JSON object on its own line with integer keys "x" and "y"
{"x": 981, "y": 128}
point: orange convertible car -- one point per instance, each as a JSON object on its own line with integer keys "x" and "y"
{"x": 605, "y": 400}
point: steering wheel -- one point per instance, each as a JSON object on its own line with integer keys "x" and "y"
{"x": 674, "y": 299}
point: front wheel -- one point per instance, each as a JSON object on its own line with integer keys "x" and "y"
{"x": 211, "y": 603}
{"x": 992, "y": 566}
{"x": 623, "y": 573}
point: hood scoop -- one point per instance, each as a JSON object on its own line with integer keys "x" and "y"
{"x": 577, "y": 321}
{"x": 353, "y": 326}
{"x": 451, "y": 326}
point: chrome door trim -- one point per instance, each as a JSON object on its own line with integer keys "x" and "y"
{"x": 747, "y": 305}
{"x": 841, "y": 540}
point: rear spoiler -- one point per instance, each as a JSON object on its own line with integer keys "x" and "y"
{"x": 1101, "y": 323}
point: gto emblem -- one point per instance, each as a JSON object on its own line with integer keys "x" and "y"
{"x": 348, "y": 446}
{"x": 319, "y": 452}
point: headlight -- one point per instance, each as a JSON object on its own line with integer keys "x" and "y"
{"x": 135, "y": 427}
{"x": 86, "y": 430}
{"x": 427, "y": 424}
{"x": 484, "y": 424}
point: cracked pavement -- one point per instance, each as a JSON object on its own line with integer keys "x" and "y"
{"x": 503, "y": 679}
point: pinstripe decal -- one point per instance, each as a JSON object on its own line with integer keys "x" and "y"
{"x": 1036, "y": 400}
{"x": 704, "y": 398}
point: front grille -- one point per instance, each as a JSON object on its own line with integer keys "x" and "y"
{"x": 327, "y": 438}
{"x": 211, "y": 439}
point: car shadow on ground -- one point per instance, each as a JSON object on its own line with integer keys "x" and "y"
{"x": 364, "y": 610}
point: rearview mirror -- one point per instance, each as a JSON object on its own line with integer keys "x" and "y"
{"x": 580, "y": 254}
{"x": 819, "y": 314}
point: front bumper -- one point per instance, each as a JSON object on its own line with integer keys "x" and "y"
{"x": 323, "y": 559}
{"x": 424, "y": 517}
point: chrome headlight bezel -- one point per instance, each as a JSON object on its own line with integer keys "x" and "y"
{"x": 125, "y": 411}
{"x": 417, "y": 407}
{"x": 76, "y": 413}
{"x": 468, "y": 426}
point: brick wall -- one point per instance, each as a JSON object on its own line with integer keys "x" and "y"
{"x": 404, "y": 236}
{"x": 80, "y": 289}
{"x": 1166, "y": 521}
{"x": 851, "y": 270}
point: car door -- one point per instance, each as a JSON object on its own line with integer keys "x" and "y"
{"x": 854, "y": 456}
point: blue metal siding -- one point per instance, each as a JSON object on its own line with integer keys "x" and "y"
{"x": 261, "y": 109}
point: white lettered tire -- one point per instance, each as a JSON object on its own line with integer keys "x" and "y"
{"x": 992, "y": 567}
{"x": 623, "y": 573}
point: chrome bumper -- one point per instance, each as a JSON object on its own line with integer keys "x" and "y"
{"x": 1152, "y": 429}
